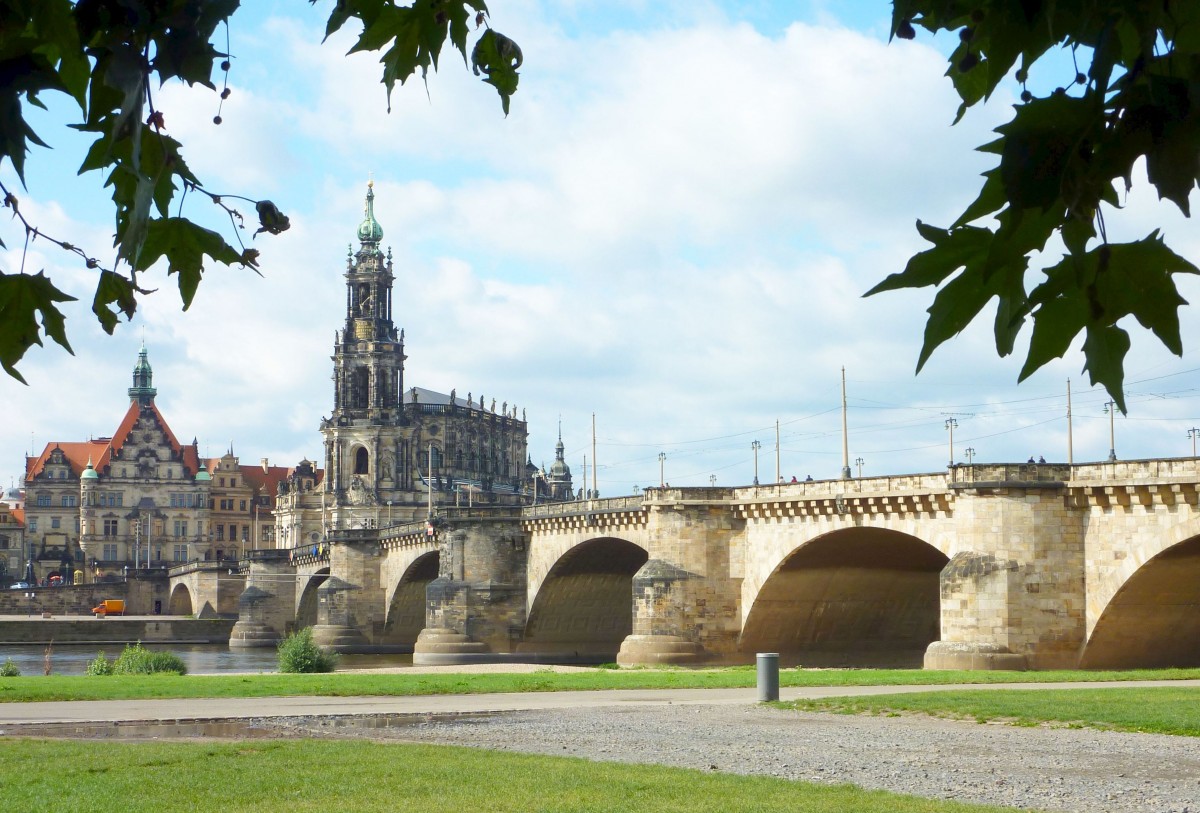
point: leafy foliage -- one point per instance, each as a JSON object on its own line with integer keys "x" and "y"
{"x": 9, "y": 668}
{"x": 108, "y": 56}
{"x": 1063, "y": 159}
{"x": 100, "y": 665}
{"x": 299, "y": 653}
{"x": 137, "y": 660}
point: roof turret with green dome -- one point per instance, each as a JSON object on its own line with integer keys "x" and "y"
{"x": 143, "y": 390}
{"x": 369, "y": 231}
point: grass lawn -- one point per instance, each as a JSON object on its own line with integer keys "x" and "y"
{"x": 348, "y": 684}
{"x": 318, "y": 775}
{"x": 1158, "y": 710}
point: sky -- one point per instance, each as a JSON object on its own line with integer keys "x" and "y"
{"x": 671, "y": 231}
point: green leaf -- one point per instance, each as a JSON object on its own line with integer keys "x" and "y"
{"x": 497, "y": 58}
{"x": 953, "y": 249}
{"x": 22, "y": 299}
{"x": 185, "y": 245}
{"x": 1105, "y": 349}
{"x": 113, "y": 289}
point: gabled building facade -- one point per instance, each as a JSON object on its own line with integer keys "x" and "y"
{"x": 136, "y": 499}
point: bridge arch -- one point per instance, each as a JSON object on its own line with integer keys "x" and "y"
{"x": 1153, "y": 619}
{"x": 306, "y": 603}
{"x": 858, "y": 596}
{"x": 406, "y": 607}
{"x": 583, "y": 608}
{"x": 181, "y": 602}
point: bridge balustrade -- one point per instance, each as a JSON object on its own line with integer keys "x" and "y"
{"x": 1176, "y": 468}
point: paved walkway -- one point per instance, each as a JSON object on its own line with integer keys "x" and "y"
{"x": 82, "y": 711}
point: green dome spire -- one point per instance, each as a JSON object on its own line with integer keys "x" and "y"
{"x": 369, "y": 231}
{"x": 143, "y": 390}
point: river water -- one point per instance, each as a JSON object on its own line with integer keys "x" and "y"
{"x": 201, "y": 659}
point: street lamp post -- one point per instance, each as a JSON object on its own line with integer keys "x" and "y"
{"x": 712, "y": 481}
{"x": 970, "y": 453}
{"x": 950, "y": 424}
{"x": 755, "y": 445}
{"x": 662, "y": 479}
{"x": 1110, "y": 410}
{"x": 858, "y": 461}
{"x": 1193, "y": 433}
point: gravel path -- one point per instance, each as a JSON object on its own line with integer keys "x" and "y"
{"x": 1043, "y": 768}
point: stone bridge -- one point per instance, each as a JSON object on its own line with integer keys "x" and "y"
{"x": 982, "y": 566}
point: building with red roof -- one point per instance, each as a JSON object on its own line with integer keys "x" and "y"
{"x": 136, "y": 499}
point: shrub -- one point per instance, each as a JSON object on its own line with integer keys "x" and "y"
{"x": 299, "y": 653}
{"x": 137, "y": 660}
{"x": 9, "y": 669}
{"x": 100, "y": 666}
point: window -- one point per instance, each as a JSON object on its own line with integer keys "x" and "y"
{"x": 55, "y": 522}
{"x": 220, "y": 532}
{"x": 110, "y": 527}
{"x": 243, "y": 506}
{"x": 232, "y": 533}
{"x": 110, "y": 552}
{"x": 221, "y": 482}
{"x": 33, "y": 524}
{"x": 69, "y": 501}
{"x": 43, "y": 501}
{"x": 361, "y": 461}
{"x": 200, "y": 527}
{"x": 179, "y": 553}
{"x": 158, "y": 554}
{"x": 181, "y": 527}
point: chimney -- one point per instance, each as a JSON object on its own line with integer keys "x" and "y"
{"x": 265, "y": 467}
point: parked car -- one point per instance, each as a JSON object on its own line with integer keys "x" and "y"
{"x": 19, "y": 586}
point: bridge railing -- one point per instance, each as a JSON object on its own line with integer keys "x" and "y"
{"x": 199, "y": 565}
{"x": 976, "y": 474}
{"x": 1171, "y": 468}
{"x": 828, "y": 489}
{"x": 574, "y": 507}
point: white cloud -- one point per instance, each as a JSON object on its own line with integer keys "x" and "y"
{"x": 673, "y": 230}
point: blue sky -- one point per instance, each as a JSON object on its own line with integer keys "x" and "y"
{"x": 672, "y": 229}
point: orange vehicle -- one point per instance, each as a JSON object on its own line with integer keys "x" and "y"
{"x": 110, "y": 606}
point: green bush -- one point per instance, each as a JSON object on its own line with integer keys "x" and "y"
{"x": 299, "y": 653}
{"x": 137, "y": 660}
{"x": 9, "y": 669}
{"x": 100, "y": 666}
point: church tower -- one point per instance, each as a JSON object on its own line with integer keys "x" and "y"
{"x": 392, "y": 452}
{"x": 368, "y": 359}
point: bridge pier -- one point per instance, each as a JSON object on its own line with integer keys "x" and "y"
{"x": 1013, "y": 597}
{"x": 350, "y": 602}
{"x": 685, "y": 598}
{"x": 266, "y": 607}
{"x": 476, "y": 607}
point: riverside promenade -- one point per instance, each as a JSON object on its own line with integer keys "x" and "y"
{"x": 234, "y": 708}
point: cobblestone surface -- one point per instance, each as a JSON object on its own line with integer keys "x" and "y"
{"x": 1057, "y": 769}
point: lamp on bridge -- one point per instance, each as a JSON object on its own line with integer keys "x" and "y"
{"x": 755, "y": 445}
{"x": 1110, "y": 411}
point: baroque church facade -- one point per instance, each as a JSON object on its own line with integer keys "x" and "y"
{"x": 392, "y": 451}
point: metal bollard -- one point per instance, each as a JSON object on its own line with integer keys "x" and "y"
{"x": 768, "y": 676}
